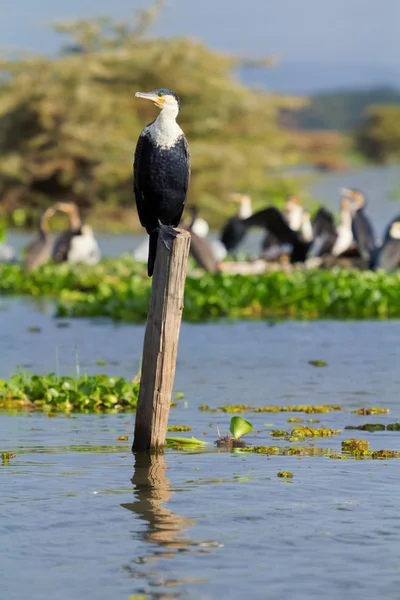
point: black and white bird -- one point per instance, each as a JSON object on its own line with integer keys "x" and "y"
{"x": 161, "y": 172}
{"x": 362, "y": 229}
{"x": 388, "y": 255}
{"x": 78, "y": 244}
{"x": 38, "y": 252}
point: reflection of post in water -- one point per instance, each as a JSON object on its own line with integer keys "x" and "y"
{"x": 152, "y": 489}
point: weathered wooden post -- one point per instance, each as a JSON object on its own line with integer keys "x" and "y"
{"x": 161, "y": 344}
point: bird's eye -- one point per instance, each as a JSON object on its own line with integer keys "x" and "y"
{"x": 160, "y": 95}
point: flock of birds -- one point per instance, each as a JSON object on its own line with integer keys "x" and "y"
{"x": 75, "y": 245}
{"x": 161, "y": 179}
{"x": 291, "y": 236}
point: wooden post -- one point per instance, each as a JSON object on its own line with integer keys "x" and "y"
{"x": 161, "y": 344}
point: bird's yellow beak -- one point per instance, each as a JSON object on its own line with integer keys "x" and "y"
{"x": 158, "y": 100}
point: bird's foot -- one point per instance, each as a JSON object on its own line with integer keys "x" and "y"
{"x": 167, "y": 235}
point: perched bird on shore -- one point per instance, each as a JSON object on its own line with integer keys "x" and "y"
{"x": 233, "y": 230}
{"x": 78, "y": 244}
{"x": 361, "y": 226}
{"x": 344, "y": 230}
{"x": 161, "y": 172}
{"x": 39, "y": 251}
{"x": 388, "y": 255}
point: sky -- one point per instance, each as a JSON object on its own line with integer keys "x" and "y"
{"x": 321, "y": 44}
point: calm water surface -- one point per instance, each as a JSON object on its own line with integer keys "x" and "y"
{"x": 79, "y": 519}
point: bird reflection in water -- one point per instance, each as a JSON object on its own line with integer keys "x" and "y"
{"x": 164, "y": 527}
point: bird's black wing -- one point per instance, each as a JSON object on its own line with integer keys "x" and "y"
{"x": 62, "y": 246}
{"x": 233, "y": 233}
{"x": 363, "y": 234}
{"x": 388, "y": 257}
{"x": 271, "y": 218}
{"x": 323, "y": 222}
{"x": 187, "y": 178}
{"x": 138, "y": 166}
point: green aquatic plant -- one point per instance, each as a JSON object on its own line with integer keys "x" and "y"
{"x": 119, "y": 289}
{"x": 278, "y": 433}
{"x": 295, "y": 420}
{"x": 235, "y": 408}
{"x": 285, "y": 474}
{"x": 306, "y": 408}
{"x": 303, "y": 431}
{"x": 393, "y": 427}
{"x": 358, "y": 448}
{"x": 179, "y": 428}
{"x": 239, "y": 427}
{"x": 318, "y": 363}
{"x": 369, "y": 427}
{"x": 183, "y": 442}
{"x": 179, "y": 395}
{"x": 373, "y": 410}
{"x": 87, "y": 393}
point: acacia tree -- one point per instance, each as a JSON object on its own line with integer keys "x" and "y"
{"x": 68, "y": 125}
{"x": 378, "y": 136}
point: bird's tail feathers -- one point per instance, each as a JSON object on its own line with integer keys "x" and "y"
{"x": 167, "y": 235}
{"x": 152, "y": 252}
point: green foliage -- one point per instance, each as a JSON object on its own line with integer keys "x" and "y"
{"x": 342, "y": 110}
{"x": 179, "y": 428}
{"x": 96, "y": 393}
{"x": 285, "y": 474}
{"x": 378, "y": 136}
{"x": 120, "y": 289}
{"x": 182, "y": 442}
{"x": 239, "y": 427}
{"x": 69, "y": 125}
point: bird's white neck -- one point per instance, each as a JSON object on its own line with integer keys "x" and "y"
{"x": 165, "y": 131}
{"x": 345, "y": 218}
{"x": 245, "y": 210}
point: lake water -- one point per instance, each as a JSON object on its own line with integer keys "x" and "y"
{"x": 79, "y": 519}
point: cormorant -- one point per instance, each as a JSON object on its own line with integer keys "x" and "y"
{"x": 233, "y": 230}
{"x": 39, "y": 251}
{"x": 388, "y": 255}
{"x": 324, "y": 233}
{"x": 161, "y": 172}
{"x": 293, "y": 213}
{"x": 200, "y": 248}
{"x": 344, "y": 231}
{"x": 361, "y": 226}
{"x": 78, "y": 244}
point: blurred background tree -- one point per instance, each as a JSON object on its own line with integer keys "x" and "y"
{"x": 69, "y": 125}
{"x": 378, "y": 136}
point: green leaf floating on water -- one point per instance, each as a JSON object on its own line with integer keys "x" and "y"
{"x": 239, "y": 427}
{"x": 183, "y": 441}
{"x": 318, "y": 363}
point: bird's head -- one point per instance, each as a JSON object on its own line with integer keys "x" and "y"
{"x": 394, "y": 230}
{"x": 355, "y": 195}
{"x": 165, "y": 99}
{"x": 71, "y": 209}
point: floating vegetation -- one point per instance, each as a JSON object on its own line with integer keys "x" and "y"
{"x": 369, "y": 427}
{"x": 306, "y": 408}
{"x": 285, "y": 474}
{"x": 373, "y": 410}
{"x": 119, "y": 289}
{"x": 264, "y": 449}
{"x": 295, "y": 420}
{"x": 357, "y": 448}
{"x": 101, "y": 363}
{"x": 179, "y": 395}
{"x": 393, "y": 427}
{"x": 318, "y": 363}
{"x": 382, "y": 454}
{"x": 303, "y": 431}
{"x": 7, "y": 455}
{"x": 278, "y": 433}
{"x": 122, "y": 438}
{"x": 179, "y": 428}
{"x": 235, "y": 408}
{"x": 94, "y": 393}
{"x": 313, "y": 421}
{"x": 182, "y": 442}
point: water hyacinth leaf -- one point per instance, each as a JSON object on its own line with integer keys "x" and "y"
{"x": 239, "y": 427}
{"x": 183, "y": 441}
